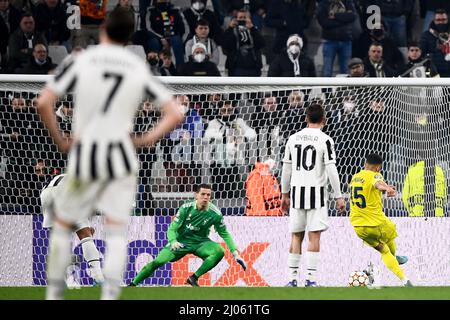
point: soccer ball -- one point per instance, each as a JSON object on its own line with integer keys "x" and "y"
{"x": 358, "y": 279}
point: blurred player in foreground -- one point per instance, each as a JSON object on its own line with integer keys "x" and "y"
{"x": 109, "y": 82}
{"x": 188, "y": 233}
{"x": 368, "y": 219}
{"x": 82, "y": 228}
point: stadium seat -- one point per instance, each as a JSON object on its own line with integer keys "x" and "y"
{"x": 57, "y": 53}
{"x": 137, "y": 49}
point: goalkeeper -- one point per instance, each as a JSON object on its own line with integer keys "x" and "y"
{"x": 188, "y": 233}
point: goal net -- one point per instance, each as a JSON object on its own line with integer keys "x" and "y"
{"x": 233, "y": 138}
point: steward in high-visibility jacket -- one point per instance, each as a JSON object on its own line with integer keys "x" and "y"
{"x": 414, "y": 190}
{"x": 263, "y": 192}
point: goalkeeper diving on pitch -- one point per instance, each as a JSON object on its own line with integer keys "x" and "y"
{"x": 188, "y": 233}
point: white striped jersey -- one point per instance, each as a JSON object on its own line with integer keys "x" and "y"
{"x": 108, "y": 83}
{"x": 309, "y": 150}
{"x": 54, "y": 182}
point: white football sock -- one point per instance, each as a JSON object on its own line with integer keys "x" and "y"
{"x": 57, "y": 262}
{"x": 312, "y": 263}
{"x": 293, "y": 265}
{"x": 92, "y": 256}
{"x": 115, "y": 259}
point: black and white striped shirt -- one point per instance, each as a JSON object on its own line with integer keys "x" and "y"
{"x": 309, "y": 151}
{"x": 108, "y": 83}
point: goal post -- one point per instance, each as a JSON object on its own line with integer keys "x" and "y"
{"x": 233, "y": 138}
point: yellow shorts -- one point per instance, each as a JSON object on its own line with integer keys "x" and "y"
{"x": 373, "y": 236}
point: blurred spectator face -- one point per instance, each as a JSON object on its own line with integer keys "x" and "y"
{"x": 68, "y": 112}
{"x": 77, "y": 49}
{"x": 441, "y": 22}
{"x": 27, "y": 24}
{"x": 227, "y": 109}
{"x": 184, "y": 101}
{"x": 40, "y": 53}
{"x": 414, "y": 53}
{"x": 296, "y": 99}
{"x": 349, "y": 105}
{"x": 40, "y": 169}
{"x": 147, "y": 106}
{"x": 242, "y": 17}
{"x": 377, "y": 106}
{"x": 51, "y": 3}
{"x": 198, "y": 5}
{"x": 4, "y": 5}
{"x": 270, "y": 104}
{"x": 125, "y": 3}
{"x": 166, "y": 60}
{"x": 357, "y": 70}
{"x": 202, "y": 31}
{"x": 199, "y": 55}
{"x": 375, "y": 53}
{"x": 18, "y": 104}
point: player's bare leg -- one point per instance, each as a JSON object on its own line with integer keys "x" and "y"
{"x": 295, "y": 254}
{"x": 58, "y": 259}
{"x": 91, "y": 254}
{"x": 312, "y": 258}
{"x": 115, "y": 258}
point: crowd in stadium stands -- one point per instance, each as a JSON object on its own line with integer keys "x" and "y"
{"x": 277, "y": 38}
{"x": 229, "y": 132}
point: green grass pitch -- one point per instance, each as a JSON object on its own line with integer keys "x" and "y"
{"x": 240, "y": 293}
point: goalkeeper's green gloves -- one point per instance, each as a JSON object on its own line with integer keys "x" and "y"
{"x": 239, "y": 260}
{"x": 174, "y": 246}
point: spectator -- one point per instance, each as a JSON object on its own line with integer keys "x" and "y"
{"x": 9, "y": 22}
{"x": 154, "y": 62}
{"x": 22, "y": 42}
{"x": 167, "y": 67}
{"x": 263, "y": 192}
{"x": 64, "y": 115}
{"x": 375, "y": 65}
{"x": 166, "y": 22}
{"x": 40, "y": 62}
{"x": 226, "y": 145}
{"x": 288, "y": 17}
{"x": 395, "y": 13}
{"x": 267, "y": 121}
{"x": 146, "y": 118}
{"x": 51, "y": 21}
{"x": 202, "y": 36}
{"x": 242, "y": 43}
{"x": 198, "y": 64}
{"x": 418, "y": 66}
{"x": 429, "y": 7}
{"x": 92, "y": 15}
{"x": 336, "y": 19}
{"x": 294, "y": 117}
{"x": 391, "y": 54}
{"x": 356, "y": 68}
{"x": 292, "y": 62}
{"x": 181, "y": 151}
{"x": 197, "y": 12}
{"x": 209, "y": 109}
{"x": 435, "y": 42}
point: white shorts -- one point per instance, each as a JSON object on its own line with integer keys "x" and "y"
{"x": 78, "y": 200}
{"x": 301, "y": 220}
{"x": 47, "y": 204}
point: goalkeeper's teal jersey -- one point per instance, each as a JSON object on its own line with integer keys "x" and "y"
{"x": 191, "y": 226}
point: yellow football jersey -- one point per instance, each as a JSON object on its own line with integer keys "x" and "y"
{"x": 366, "y": 206}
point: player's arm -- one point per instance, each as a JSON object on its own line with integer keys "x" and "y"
{"x": 333, "y": 175}
{"x": 45, "y": 104}
{"x": 172, "y": 233}
{"x": 286, "y": 174}
{"x": 221, "y": 229}
{"x": 64, "y": 80}
{"x": 381, "y": 185}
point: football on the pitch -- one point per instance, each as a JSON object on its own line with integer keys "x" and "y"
{"x": 358, "y": 279}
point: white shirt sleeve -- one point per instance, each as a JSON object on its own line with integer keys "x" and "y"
{"x": 287, "y": 152}
{"x": 333, "y": 176}
{"x": 330, "y": 154}
{"x": 65, "y": 76}
{"x": 156, "y": 91}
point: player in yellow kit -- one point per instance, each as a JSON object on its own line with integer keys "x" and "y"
{"x": 367, "y": 216}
